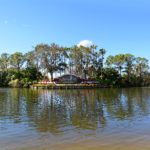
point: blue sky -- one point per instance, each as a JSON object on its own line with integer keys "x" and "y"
{"x": 119, "y": 26}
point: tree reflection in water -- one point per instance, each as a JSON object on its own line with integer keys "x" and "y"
{"x": 54, "y": 110}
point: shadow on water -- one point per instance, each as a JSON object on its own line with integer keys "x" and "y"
{"x": 56, "y": 110}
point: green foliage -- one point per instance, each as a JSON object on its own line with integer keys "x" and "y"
{"x": 3, "y": 78}
{"x": 17, "y": 60}
{"x": 15, "y": 83}
{"x": 110, "y": 77}
{"x": 122, "y": 70}
{"x": 4, "y": 61}
{"x": 50, "y": 57}
{"x": 32, "y": 74}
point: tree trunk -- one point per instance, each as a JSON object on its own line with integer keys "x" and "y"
{"x": 85, "y": 74}
{"x": 51, "y": 74}
{"x": 120, "y": 70}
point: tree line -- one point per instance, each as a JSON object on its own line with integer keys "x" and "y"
{"x": 85, "y": 62}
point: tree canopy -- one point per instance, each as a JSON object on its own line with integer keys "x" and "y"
{"x": 51, "y": 60}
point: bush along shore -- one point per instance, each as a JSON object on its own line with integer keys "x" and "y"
{"x": 46, "y": 61}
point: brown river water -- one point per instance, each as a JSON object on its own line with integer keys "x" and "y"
{"x": 96, "y": 119}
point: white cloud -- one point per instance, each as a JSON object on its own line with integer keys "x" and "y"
{"x": 85, "y": 43}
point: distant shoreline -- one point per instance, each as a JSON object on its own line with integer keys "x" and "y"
{"x": 71, "y": 86}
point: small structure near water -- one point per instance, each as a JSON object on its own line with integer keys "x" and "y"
{"x": 68, "y": 79}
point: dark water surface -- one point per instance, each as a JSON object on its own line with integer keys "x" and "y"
{"x": 102, "y": 119}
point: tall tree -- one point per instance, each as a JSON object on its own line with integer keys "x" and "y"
{"x": 102, "y": 52}
{"x": 129, "y": 60}
{"x": 141, "y": 66}
{"x": 17, "y": 60}
{"x": 117, "y": 61}
{"x": 87, "y": 56}
{"x": 4, "y": 61}
{"x": 50, "y": 57}
{"x": 81, "y": 59}
{"x": 30, "y": 59}
{"x": 76, "y": 57}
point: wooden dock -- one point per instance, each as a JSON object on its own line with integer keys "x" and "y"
{"x": 65, "y": 86}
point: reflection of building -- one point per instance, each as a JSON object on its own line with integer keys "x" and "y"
{"x": 67, "y": 79}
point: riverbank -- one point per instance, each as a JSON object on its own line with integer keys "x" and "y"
{"x": 71, "y": 86}
{"x": 66, "y": 86}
